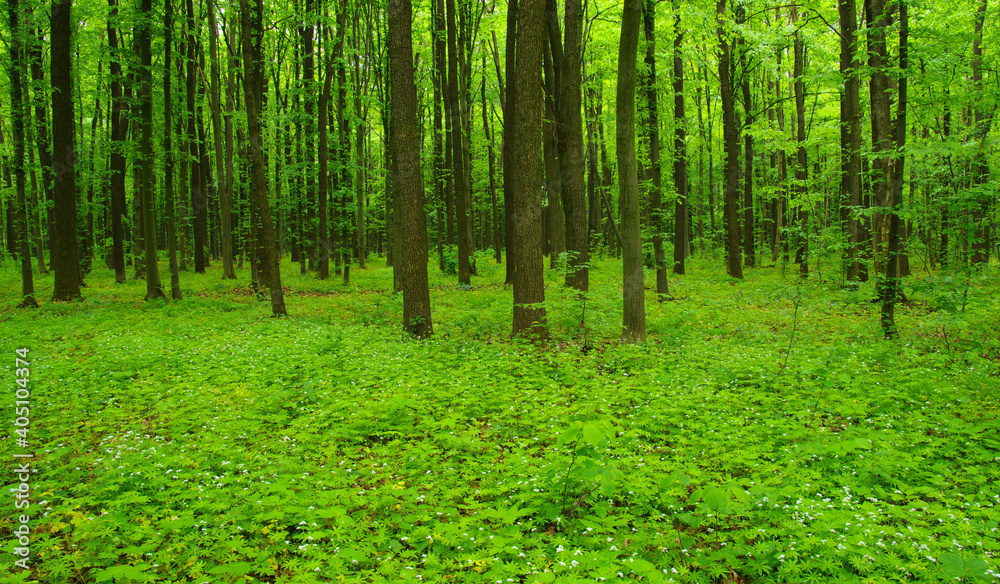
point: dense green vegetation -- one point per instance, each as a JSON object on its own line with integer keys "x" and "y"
{"x": 764, "y": 433}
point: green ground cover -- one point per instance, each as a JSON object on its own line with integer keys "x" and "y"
{"x": 204, "y": 441}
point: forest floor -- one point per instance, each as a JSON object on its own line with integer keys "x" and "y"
{"x": 765, "y": 433}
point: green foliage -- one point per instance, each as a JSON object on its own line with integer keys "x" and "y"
{"x": 204, "y": 441}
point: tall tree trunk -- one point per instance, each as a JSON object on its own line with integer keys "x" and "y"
{"x": 850, "y": 137}
{"x": 252, "y": 26}
{"x": 65, "y": 257}
{"x": 18, "y": 114}
{"x": 731, "y": 136}
{"x": 878, "y": 21}
{"x": 225, "y": 194}
{"x": 553, "y": 185}
{"x": 154, "y": 289}
{"x": 462, "y": 195}
{"x": 801, "y": 166}
{"x": 508, "y": 114}
{"x": 226, "y": 198}
{"x": 893, "y": 285}
{"x": 343, "y": 148}
{"x": 119, "y": 130}
{"x": 633, "y": 296}
{"x": 567, "y": 69}
{"x": 323, "y": 271}
{"x": 523, "y": 168}
{"x": 749, "y": 252}
{"x": 168, "y": 151}
{"x": 199, "y": 201}
{"x": 405, "y": 153}
{"x": 308, "y": 95}
{"x": 682, "y": 234}
{"x": 491, "y": 160}
{"x": 655, "y": 172}
{"x": 980, "y": 165}
{"x": 41, "y": 131}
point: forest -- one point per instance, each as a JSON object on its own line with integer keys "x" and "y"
{"x": 484, "y": 291}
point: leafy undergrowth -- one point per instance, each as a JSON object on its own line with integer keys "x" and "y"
{"x": 203, "y": 441}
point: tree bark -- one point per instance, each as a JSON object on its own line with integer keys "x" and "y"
{"x": 168, "y": 151}
{"x": 456, "y": 113}
{"x": 119, "y": 129}
{"x": 682, "y": 235}
{"x": 405, "y": 153}
{"x": 749, "y": 251}
{"x": 323, "y": 269}
{"x": 980, "y": 167}
{"x": 65, "y": 257}
{"x": 154, "y": 289}
{"x": 523, "y": 169}
{"x": 801, "y": 165}
{"x": 731, "y": 142}
{"x": 18, "y": 114}
{"x": 893, "y": 284}
{"x": 633, "y": 296}
{"x": 251, "y": 17}
{"x": 553, "y": 184}
{"x": 656, "y": 173}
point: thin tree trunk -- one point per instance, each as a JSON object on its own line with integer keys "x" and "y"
{"x": 655, "y": 172}
{"x": 801, "y": 166}
{"x": 553, "y": 184}
{"x": 168, "y": 153}
{"x": 749, "y": 252}
{"x": 18, "y": 115}
{"x": 462, "y": 195}
{"x": 980, "y": 167}
{"x": 119, "y": 129}
{"x": 154, "y": 289}
{"x": 681, "y": 206}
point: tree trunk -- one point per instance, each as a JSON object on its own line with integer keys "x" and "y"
{"x": 225, "y": 192}
{"x": 462, "y": 195}
{"x": 850, "y": 138}
{"x": 323, "y": 270}
{"x": 749, "y": 252}
{"x": 878, "y": 21}
{"x": 154, "y": 289}
{"x": 17, "y": 121}
{"x": 553, "y": 184}
{"x": 251, "y": 17}
{"x": 491, "y": 160}
{"x": 508, "y": 114}
{"x": 168, "y": 152}
{"x": 41, "y": 128}
{"x": 523, "y": 169}
{"x": 731, "y": 137}
{"x": 681, "y": 231}
{"x": 197, "y": 194}
{"x": 65, "y": 257}
{"x": 801, "y": 166}
{"x": 405, "y": 153}
{"x": 633, "y": 296}
{"x": 119, "y": 129}
{"x": 981, "y": 165}
{"x": 655, "y": 172}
